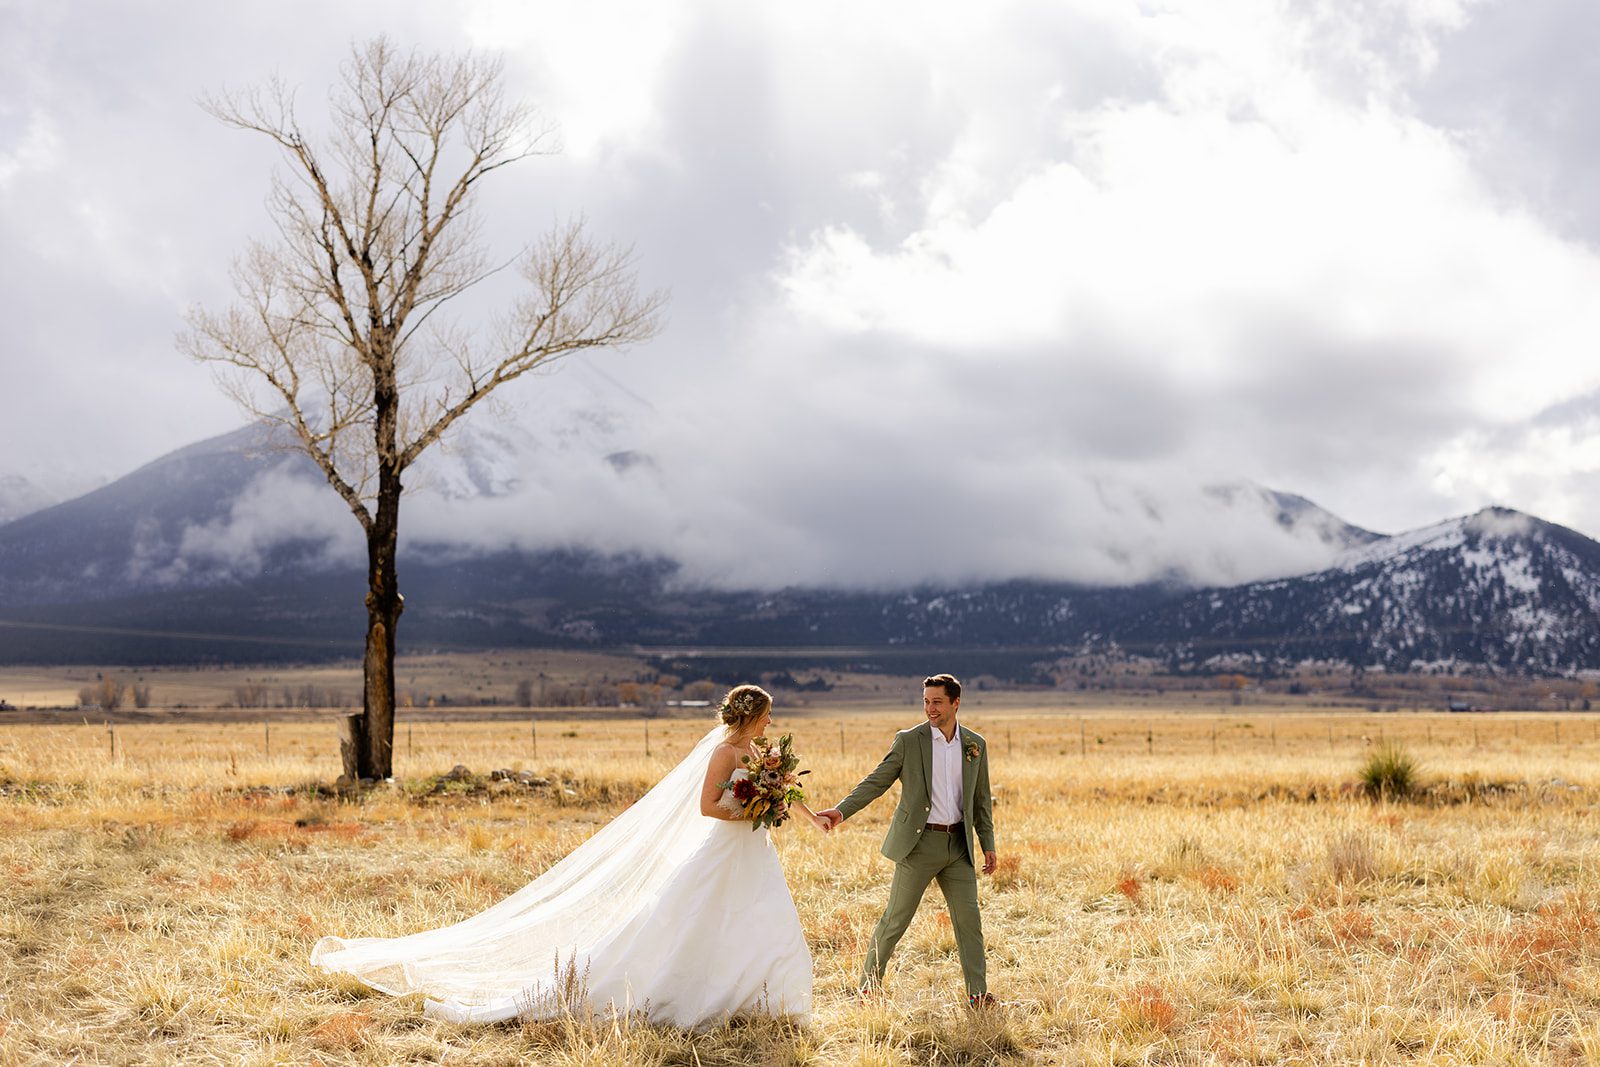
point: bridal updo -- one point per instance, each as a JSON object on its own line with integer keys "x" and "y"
{"x": 743, "y": 705}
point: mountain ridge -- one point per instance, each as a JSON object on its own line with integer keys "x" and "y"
{"x": 171, "y": 550}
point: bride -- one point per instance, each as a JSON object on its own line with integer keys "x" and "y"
{"x": 675, "y": 909}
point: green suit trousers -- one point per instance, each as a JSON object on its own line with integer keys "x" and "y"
{"x": 938, "y": 857}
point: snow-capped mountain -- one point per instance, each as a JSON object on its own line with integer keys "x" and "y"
{"x": 1295, "y": 514}
{"x": 235, "y": 508}
{"x": 1499, "y": 588}
{"x": 232, "y": 537}
{"x": 242, "y": 506}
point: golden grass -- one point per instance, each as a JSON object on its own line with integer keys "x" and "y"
{"x": 1156, "y": 902}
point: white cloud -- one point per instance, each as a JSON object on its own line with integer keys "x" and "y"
{"x": 278, "y": 508}
{"x": 594, "y": 66}
{"x": 1036, "y": 262}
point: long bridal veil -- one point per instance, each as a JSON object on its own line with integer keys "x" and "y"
{"x": 503, "y": 961}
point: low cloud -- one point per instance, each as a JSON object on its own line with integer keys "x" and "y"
{"x": 282, "y": 508}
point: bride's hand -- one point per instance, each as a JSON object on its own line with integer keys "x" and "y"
{"x": 820, "y": 823}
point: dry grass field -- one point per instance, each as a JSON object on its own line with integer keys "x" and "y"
{"x": 1173, "y": 889}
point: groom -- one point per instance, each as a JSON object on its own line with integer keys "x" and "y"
{"x": 943, "y": 769}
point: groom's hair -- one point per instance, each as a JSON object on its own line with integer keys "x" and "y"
{"x": 947, "y": 682}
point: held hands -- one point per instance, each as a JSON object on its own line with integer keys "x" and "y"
{"x": 833, "y": 816}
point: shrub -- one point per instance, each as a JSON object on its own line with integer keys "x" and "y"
{"x": 1390, "y": 772}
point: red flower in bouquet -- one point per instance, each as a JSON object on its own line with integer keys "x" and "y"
{"x": 771, "y": 783}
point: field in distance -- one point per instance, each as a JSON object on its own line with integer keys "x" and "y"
{"x": 506, "y": 682}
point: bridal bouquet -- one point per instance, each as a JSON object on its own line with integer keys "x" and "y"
{"x": 770, "y": 784}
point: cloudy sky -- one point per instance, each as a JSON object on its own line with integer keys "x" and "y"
{"x": 957, "y": 290}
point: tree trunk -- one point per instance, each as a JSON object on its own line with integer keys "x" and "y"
{"x": 351, "y": 746}
{"x": 384, "y": 605}
{"x": 384, "y": 602}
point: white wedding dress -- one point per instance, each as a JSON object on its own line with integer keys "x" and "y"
{"x": 664, "y": 912}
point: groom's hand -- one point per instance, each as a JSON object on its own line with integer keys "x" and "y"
{"x": 833, "y": 815}
{"x": 990, "y": 862}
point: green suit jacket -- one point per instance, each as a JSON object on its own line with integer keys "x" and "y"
{"x": 910, "y": 760}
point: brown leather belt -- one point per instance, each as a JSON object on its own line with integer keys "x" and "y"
{"x": 944, "y": 828}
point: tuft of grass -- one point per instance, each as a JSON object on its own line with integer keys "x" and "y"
{"x": 1146, "y": 1008}
{"x": 1352, "y": 860}
{"x": 1130, "y": 885}
{"x": 1390, "y": 772}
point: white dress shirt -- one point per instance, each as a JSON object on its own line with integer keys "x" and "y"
{"x": 946, "y": 785}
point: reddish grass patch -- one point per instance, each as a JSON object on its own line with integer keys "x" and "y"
{"x": 1007, "y": 871}
{"x": 1147, "y": 1007}
{"x": 1543, "y": 949}
{"x": 1517, "y": 1008}
{"x": 242, "y": 831}
{"x": 1131, "y": 887}
{"x": 1349, "y": 927}
{"x": 1216, "y": 879}
{"x": 346, "y": 1030}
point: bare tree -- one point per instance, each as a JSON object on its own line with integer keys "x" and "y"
{"x": 337, "y": 340}
{"x": 106, "y": 694}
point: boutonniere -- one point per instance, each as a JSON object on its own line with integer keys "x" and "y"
{"x": 972, "y": 750}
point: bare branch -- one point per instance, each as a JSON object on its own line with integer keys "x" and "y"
{"x": 585, "y": 297}
{"x": 340, "y": 335}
